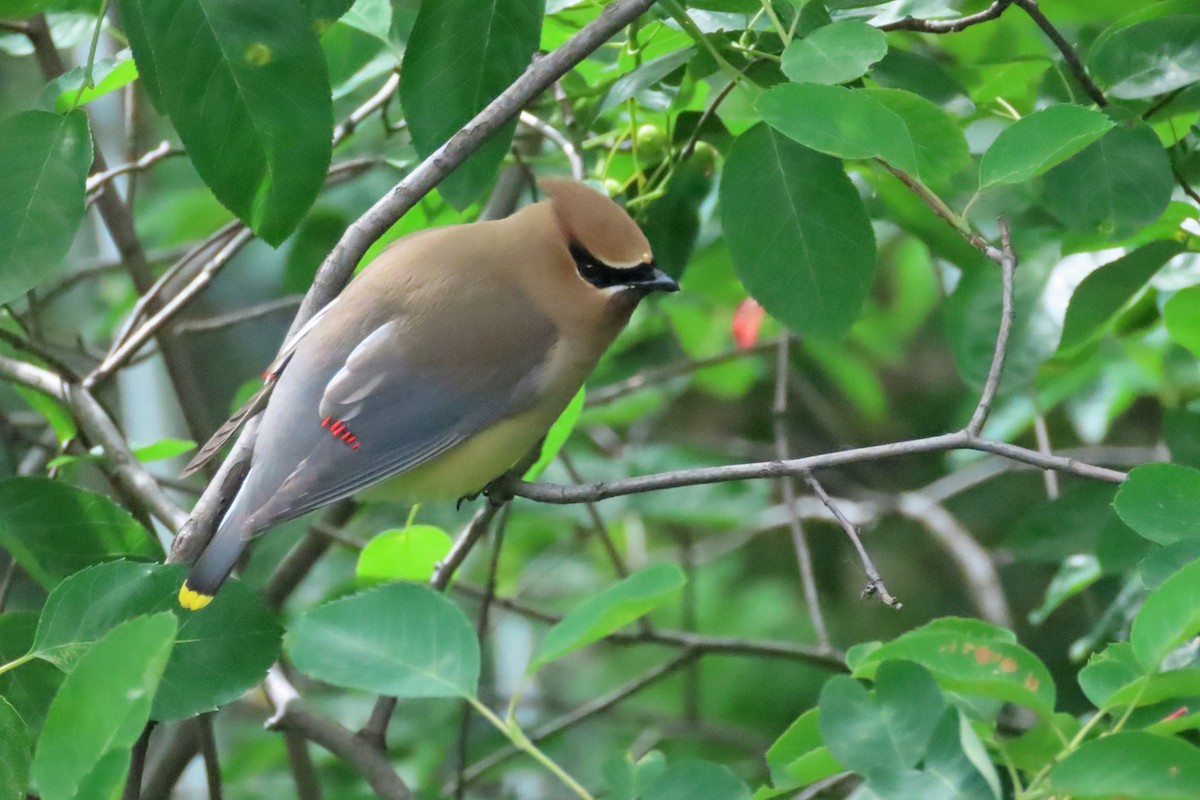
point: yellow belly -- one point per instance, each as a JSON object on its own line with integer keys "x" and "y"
{"x": 468, "y": 466}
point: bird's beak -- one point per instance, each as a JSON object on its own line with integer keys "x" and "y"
{"x": 658, "y": 281}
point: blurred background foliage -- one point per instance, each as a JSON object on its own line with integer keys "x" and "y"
{"x": 888, "y": 317}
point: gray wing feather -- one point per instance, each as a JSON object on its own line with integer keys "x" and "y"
{"x": 405, "y": 401}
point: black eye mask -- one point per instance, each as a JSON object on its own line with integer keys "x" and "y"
{"x": 602, "y": 276}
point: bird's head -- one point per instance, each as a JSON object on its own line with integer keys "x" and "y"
{"x": 609, "y": 250}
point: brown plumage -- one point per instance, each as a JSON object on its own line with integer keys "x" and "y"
{"x": 441, "y": 365}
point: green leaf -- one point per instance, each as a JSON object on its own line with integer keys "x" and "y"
{"x": 799, "y": 756}
{"x": 1161, "y": 502}
{"x": 836, "y": 53}
{"x": 163, "y": 449}
{"x": 53, "y": 529}
{"x": 1039, "y": 141}
{"x": 1181, "y": 432}
{"x": 32, "y": 686}
{"x": 399, "y": 639}
{"x": 974, "y": 659}
{"x": 223, "y": 649}
{"x": 887, "y": 729}
{"x": 1169, "y": 617}
{"x": 461, "y": 55}
{"x": 1108, "y": 671}
{"x": 410, "y": 554}
{"x": 1114, "y": 185}
{"x": 645, "y": 76}
{"x": 840, "y": 122}
{"x": 1041, "y": 744}
{"x": 101, "y": 709}
{"x": 246, "y": 86}
{"x": 1133, "y": 765}
{"x": 1075, "y": 574}
{"x": 56, "y": 414}
{"x": 811, "y": 261}
{"x": 1107, "y": 289}
{"x": 612, "y": 609}
{"x": 557, "y": 436}
{"x": 108, "y": 75}
{"x": 949, "y": 772}
{"x": 44, "y": 161}
{"x": 1182, "y": 316}
{"x": 326, "y": 11}
{"x": 941, "y": 148}
{"x": 15, "y": 753}
{"x": 692, "y": 778}
{"x": 1163, "y": 562}
{"x": 1149, "y": 58}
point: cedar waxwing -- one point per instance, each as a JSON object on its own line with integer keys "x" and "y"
{"x": 440, "y": 366}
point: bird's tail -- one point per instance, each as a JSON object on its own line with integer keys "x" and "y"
{"x": 219, "y": 557}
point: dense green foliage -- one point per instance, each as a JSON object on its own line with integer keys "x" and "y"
{"x": 859, "y": 198}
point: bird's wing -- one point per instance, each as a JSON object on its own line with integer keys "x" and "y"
{"x": 409, "y": 390}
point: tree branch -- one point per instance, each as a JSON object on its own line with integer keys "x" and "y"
{"x": 1069, "y": 55}
{"x": 826, "y": 658}
{"x": 948, "y": 25}
{"x": 372, "y": 765}
{"x": 99, "y": 428}
{"x": 1007, "y": 259}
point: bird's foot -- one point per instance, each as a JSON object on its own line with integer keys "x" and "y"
{"x": 468, "y": 498}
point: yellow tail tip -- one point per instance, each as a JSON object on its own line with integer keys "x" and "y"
{"x": 193, "y": 600}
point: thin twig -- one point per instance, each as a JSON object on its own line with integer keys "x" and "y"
{"x": 1074, "y": 63}
{"x": 97, "y": 180}
{"x": 948, "y": 25}
{"x": 142, "y": 334}
{"x": 222, "y": 321}
{"x": 1042, "y": 433}
{"x": 99, "y": 428}
{"x": 578, "y": 169}
{"x": 875, "y": 584}
{"x": 787, "y": 488}
{"x": 598, "y": 526}
{"x": 615, "y": 391}
{"x": 1008, "y": 265}
{"x": 704, "y": 644}
{"x": 375, "y": 102}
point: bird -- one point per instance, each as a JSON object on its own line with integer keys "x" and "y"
{"x": 438, "y": 368}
